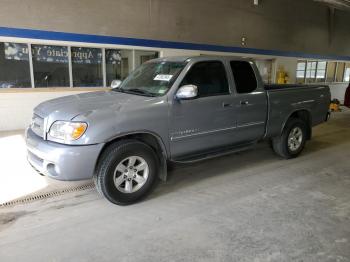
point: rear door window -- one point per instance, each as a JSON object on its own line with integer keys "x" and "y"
{"x": 209, "y": 77}
{"x": 244, "y": 76}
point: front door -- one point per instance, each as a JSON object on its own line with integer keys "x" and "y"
{"x": 208, "y": 121}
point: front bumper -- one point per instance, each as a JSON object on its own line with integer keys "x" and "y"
{"x": 62, "y": 162}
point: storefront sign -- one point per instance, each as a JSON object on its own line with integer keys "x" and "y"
{"x": 50, "y": 54}
{"x": 81, "y": 55}
{"x": 57, "y": 54}
{"x": 15, "y": 51}
{"x": 113, "y": 57}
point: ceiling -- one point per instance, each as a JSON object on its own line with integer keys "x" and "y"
{"x": 338, "y": 4}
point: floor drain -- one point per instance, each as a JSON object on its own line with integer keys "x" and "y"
{"x": 32, "y": 198}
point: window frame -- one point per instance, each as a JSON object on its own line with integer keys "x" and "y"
{"x": 313, "y": 77}
{"x": 33, "y": 67}
{"x": 301, "y": 70}
{"x": 69, "y": 46}
{"x": 335, "y": 77}
{"x": 191, "y": 65}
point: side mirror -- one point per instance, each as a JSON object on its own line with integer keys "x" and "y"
{"x": 116, "y": 83}
{"x": 187, "y": 92}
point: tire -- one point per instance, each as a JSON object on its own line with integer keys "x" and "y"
{"x": 287, "y": 150}
{"x": 121, "y": 187}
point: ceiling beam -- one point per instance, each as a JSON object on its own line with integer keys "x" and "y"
{"x": 331, "y": 16}
{"x": 338, "y": 4}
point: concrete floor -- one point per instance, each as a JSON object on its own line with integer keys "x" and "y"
{"x": 18, "y": 179}
{"x": 250, "y": 206}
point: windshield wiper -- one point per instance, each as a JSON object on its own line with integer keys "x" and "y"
{"x": 117, "y": 89}
{"x": 139, "y": 91}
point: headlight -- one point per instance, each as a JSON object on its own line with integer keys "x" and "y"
{"x": 67, "y": 131}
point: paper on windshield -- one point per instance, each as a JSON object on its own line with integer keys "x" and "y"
{"x": 162, "y": 77}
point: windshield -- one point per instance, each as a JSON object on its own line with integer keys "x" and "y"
{"x": 152, "y": 79}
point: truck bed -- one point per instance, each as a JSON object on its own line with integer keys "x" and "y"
{"x": 283, "y": 100}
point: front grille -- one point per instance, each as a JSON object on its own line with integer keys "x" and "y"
{"x": 37, "y": 125}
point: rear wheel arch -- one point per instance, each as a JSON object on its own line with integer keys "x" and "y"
{"x": 292, "y": 140}
{"x": 303, "y": 115}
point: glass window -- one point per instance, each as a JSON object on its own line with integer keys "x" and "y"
{"x": 14, "y": 64}
{"x": 301, "y": 65}
{"x": 347, "y": 73}
{"x": 118, "y": 64}
{"x": 311, "y": 71}
{"x": 300, "y": 74}
{"x": 244, "y": 76}
{"x": 301, "y": 68}
{"x": 143, "y": 56}
{"x": 340, "y": 72}
{"x": 331, "y": 71}
{"x": 152, "y": 79}
{"x": 50, "y": 66}
{"x": 265, "y": 69}
{"x": 321, "y": 71}
{"x": 209, "y": 77}
{"x": 87, "y": 67}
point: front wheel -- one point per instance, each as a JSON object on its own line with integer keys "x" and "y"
{"x": 126, "y": 172}
{"x": 292, "y": 140}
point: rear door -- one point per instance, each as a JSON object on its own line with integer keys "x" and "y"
{"x": 250, "y": 101}
{"x": 208, "y": 121}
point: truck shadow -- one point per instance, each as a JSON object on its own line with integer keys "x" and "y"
{"x": 181, "y": 176}
{"x": 262, "y": 157}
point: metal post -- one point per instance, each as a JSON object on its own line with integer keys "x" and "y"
{"x": 133, "y": 60}
{"x": 305, "y": 71}
{"x": 70, "y": 69}
{"x": 104, "y": 67}
{"x": 31, "y": 69}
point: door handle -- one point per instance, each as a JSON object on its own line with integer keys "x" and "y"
{"x": 244, "y": 103}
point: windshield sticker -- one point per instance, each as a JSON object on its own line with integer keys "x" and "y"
{"x": 162, "y": 91}
{"x": 163, "y": 77}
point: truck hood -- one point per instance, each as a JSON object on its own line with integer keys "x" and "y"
{"x": 68, "y": 107}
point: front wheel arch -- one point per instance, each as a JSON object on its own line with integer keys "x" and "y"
{"x": 149, "y": 139}
{"x": 120, "y": 191}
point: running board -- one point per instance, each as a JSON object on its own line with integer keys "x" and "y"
{"x": 212, "y": 154}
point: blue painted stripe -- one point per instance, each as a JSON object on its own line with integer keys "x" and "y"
{"x": 101, "y": 39}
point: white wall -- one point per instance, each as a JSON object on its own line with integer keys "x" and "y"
{"x": 16, "y": 109}
{"x": 177, "y": 52}
{"x": 338, "y": 90}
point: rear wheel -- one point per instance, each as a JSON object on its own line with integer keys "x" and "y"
{"x": 126, "y": 172}
{"x": 292, "y": 141}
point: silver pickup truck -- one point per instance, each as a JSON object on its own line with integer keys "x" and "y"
{"x": 178, "y": 109}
